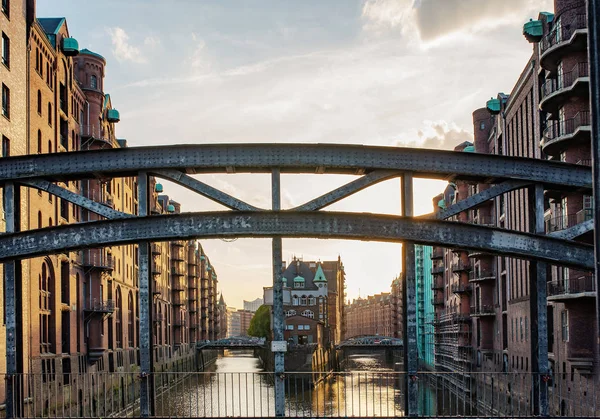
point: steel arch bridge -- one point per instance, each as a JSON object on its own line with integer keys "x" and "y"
{"x": 371, "y": 165}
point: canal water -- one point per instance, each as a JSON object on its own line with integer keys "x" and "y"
{"x": 235, "y": 385}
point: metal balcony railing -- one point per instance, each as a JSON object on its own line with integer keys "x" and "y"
{"x": 485, "y": 220}
{"x": 437, "y": 301}
{"x": 96, "y": 133}
{"x": 566, "y": 80}
{"x": 437, "y": 284}
{"x": 97, "y": 258}
{"x": 99, "y": 306}
{"x": 567, "y": 127}
{"x": 100, "y": 196}
{"x": 438, "y": 270}
{"x": 481, "y": 275}
{"x": 461, "y": 288}
{"x": 565, "y": 221}
{"x": 437, "y": 253}
{"x": 583, "y": 284}
{"x": 461, "y": 266}
{"x": 563, "y": 33}
{"x": 482, "y": 310}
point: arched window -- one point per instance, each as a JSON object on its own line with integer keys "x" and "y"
{"x": 295, "y": 300}
{"x": 39, "y": 145}
{"x": 308, "y": 313}
{"x": 39, "y": 219}
{"x": 50, "y": 222}
{"x": 49, "y": 113}
{"x": 93, "y": 82}
{"x": 130, "y": 331}
{"x": 119, "y": 318}
{"x": 49, "y": 146}
{"x": 73, "y": 140}
{"x": 39, "y": 102}
{"x": 290, "y": 313}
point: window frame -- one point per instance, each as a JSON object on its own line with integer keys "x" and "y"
{"x": 6, "y": 50}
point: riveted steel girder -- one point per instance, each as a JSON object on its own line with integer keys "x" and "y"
{"x": 575, "y": 231}
{"x": 480, "y": 198}
{"x": 323, "y": 225}
{"x": 205, "y": 190}
{"x": 292, "y": 158}
{"x": 76, "y": 199}
{"x": 348, "y": 189}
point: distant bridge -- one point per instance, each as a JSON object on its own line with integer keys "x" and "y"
{"x": 233, "y": 343}
{"x": 371, "y": 342}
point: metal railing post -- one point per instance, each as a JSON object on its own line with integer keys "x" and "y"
{"x": 538, "y": 310}
{"x": 410, "y": 306}
{"x": 279, "y": 343}
{"x": 13, "y": 309}
{"x": 147, "y": 400}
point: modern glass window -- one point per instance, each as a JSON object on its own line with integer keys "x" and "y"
{"x": 5, "y": 50}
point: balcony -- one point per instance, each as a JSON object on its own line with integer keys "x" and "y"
{"x": 177, "y": 255}
{"x": 97, "y": 259}
{"x": 561, "y": 135}
{"x": 479, "y": 276}
{"x": 437, "y": 301}
{"x": 101, "y": 307}
{"x": 437, "y": 270}
{"x": 437, "y": 285}
{"x": 482, "y": 311}
{"x": 573, "y": 83}
{"x": 461, "y": 288}
{"x": 437, "y": 253}
{"x": 156, "y": 269}
{"x": 573, "y": 288}
{"x": 101, "y": 197}
{"x": 178, "y": 300}
{"x": 461, "y": 266}
{"x": 562, "y": 40}
{"x": 95, "y": 135}
{"x": 178, "y": 287}
{"x": 176, "y": 272}
{"x": 485, "y": 220}
{"x": 156, "y": 249}
{"x": 566, "y": 221}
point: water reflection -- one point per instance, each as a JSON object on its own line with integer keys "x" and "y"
{"x": 236, "y": 386}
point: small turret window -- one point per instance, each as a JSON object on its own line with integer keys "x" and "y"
{"x": 93, "y": 82}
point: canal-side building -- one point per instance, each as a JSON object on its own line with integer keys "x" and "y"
{"x": 79, "y": 310}
{"x": 425, "y": 311}
{"x": 546, "y": 116}
{"x": 370, "y": 316}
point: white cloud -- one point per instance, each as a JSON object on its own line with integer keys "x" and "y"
{"x": 152, "y": 41}
{"x": 435, "y": 18}
{"x": 437, "y": 135}
{"x": 198, "y": 59}
{"x": 122, "y": 49}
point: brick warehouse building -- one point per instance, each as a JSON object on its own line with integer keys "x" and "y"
{"x": 482, "y": 301}
{"x": 81, "y": 307}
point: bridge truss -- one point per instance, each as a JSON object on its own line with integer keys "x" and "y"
{"x": 371, "y": 164}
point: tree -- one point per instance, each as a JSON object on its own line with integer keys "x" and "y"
{"x": 260, "y": 324}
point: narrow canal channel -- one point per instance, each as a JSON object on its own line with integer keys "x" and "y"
{"x": 236, "y": 386}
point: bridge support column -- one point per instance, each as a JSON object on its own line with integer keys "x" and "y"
{"x": 409, "y": 298}
{"x": 593, "y": 14}
{"x": 147, "y": 400}
{"x": 538, "y": 309}
{"x": 13, "y": 309}
{"x": 278, "y": 317}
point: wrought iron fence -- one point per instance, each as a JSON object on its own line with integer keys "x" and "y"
{"x": 341, "y": 394}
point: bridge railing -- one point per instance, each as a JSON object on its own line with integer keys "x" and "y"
{"x": 340, "y": 394}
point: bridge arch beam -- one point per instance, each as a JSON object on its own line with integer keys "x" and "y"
{"x": 323, "y": 225}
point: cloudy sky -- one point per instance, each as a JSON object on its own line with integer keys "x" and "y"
{"x": 378, "y": 72}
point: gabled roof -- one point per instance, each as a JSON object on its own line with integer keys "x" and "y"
{"x": 51, "y": 25}
{"x": 320, "y": 275}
